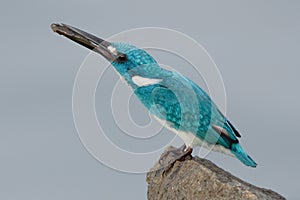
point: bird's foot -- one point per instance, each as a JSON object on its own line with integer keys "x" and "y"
{"x": 170, "y": 157}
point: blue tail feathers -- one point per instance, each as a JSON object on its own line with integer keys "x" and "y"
{"x": 238, "y": 151}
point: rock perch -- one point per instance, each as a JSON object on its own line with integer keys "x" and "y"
{"x": 197, "y": 178}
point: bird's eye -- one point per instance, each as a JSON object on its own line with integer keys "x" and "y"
{"x": 122, "y": 58}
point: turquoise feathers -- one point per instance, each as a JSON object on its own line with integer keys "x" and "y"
{"x": 175, "y": 101}
{"x": 179, "y": 102}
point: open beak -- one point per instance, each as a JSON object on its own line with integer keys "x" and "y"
{"x": 90, "y": 41}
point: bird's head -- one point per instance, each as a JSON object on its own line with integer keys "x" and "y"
{"x": 123, "y": 57}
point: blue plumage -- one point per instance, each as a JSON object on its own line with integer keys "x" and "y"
{"x": 179, "y": 102}
{"x": 176, "y": 101}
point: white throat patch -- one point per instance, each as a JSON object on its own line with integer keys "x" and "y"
{"x": 141, "y": 81}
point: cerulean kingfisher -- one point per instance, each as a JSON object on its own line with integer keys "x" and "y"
{"x": 173, "y": 99}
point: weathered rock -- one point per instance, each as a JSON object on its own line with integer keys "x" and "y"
{"x": 197, "y": 178}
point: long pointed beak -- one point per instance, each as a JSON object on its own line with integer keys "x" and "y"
{"x": 90, "y": 41}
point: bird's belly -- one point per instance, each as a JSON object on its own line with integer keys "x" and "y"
{"x": 191, "y": 140}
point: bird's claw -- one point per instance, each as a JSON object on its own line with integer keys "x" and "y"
{"x": 169, "y": 158}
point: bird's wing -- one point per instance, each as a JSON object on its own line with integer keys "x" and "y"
{"x": 175, "y": 101}
{"x": 184, "y": 105}
{"x": 219, "y": 122}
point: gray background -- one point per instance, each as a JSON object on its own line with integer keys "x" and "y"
{"x": 255, "y": 45}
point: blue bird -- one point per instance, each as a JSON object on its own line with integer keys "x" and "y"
{"x": 174, "y": 100}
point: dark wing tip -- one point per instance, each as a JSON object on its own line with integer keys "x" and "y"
{"x": 237, "y": 134}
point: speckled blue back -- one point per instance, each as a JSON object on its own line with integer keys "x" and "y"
{"x": 176, "y": 99}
